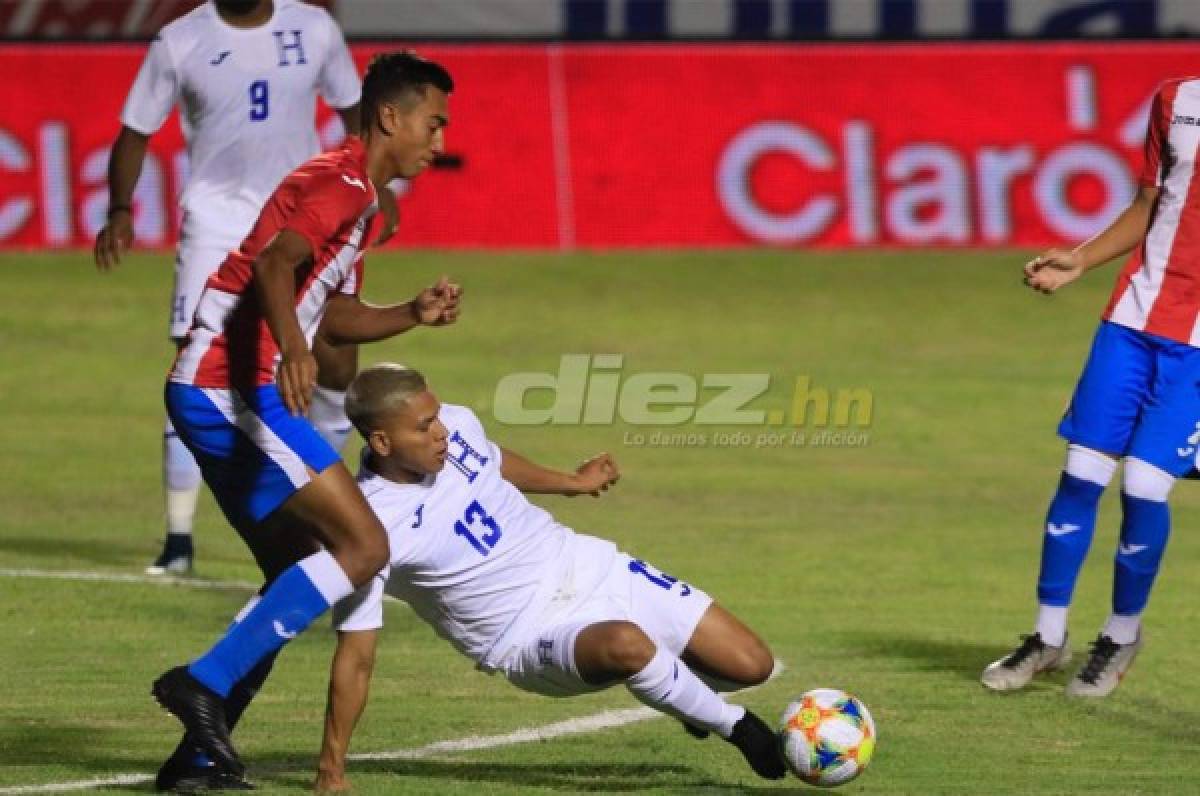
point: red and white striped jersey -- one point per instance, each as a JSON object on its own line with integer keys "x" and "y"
{"x": 331, "y": 202}
{"x": 1158, "y": 291}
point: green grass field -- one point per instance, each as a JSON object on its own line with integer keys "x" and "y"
{"x": 895, "y": 570}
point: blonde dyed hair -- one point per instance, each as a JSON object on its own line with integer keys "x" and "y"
{"x": 378, "y": 391}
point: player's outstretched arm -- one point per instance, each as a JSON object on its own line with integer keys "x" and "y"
{"x": 1058, "y": 267}
{"x": 351, "y": 320}
{"x": 275, "y": 285}
{"x": 124, "y": 168}
{"x": 349, "y": 682}
{"x": 591, "y": 477}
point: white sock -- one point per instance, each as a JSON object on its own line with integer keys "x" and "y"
{"x": 181, "y": 510}
{"x": 1123, "y": 629}
{"x": 181, "y": 482}
{"x": 667, "y": 684}
{"x": 327, "y": 413}
{"x": 1052, "y": 624}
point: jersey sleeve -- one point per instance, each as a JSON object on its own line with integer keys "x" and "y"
{"x": 362, "y": 610}
{"x": 339, "y": 83}
{"x": 1156, "y": 136}
{"x": 328, "y": 204}
{"x": 154, "y": 92}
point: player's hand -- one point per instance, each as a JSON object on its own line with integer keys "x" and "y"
{"x": 438, "y": 305}
{"x": 1049, "y": 271}
{"x": 594, "y": 476}
{"x": 296, "y": 378}
{"x": 115, "y": 237}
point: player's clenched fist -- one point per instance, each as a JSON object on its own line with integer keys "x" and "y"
{"x": 595, "y": 475}
{"x": 438, "y": 305}
{"x": 1049, "y": 271}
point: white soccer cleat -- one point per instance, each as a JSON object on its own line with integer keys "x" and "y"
{"x": 1105, "y": 668}
{"x": 179, "y": 566}
{"x": 1020, "y": 666}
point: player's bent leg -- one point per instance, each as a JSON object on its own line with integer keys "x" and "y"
{"x": 336, "y": 368}
{"x": 726, "y": 653}
{"x": 334, "y": 508}
{"x": 620, "y": 650}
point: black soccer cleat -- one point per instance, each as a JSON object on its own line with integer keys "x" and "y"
{"x": 759, "y": 745}
{"x": 202, "y": 713}
{"x": 699, "y": 733}
{"x": 184, "y": 773}
{"x": 181, "y": 769}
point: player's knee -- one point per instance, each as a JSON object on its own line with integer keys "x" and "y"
{"x": 364, "y": 557}
{"x": 628, "y": 649}
{"x": 1145, "y": 481}
{"x": 753, "y": 663}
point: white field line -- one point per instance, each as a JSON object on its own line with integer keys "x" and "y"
{"x": 599, "y": 721}
{"x": 596, "y": 722}
{"x": 122, "y": 577}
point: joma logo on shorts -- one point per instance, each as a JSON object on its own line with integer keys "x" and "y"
{"x": 1181, "y": 119}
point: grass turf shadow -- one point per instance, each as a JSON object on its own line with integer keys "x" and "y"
{"x": 965, "y": 660}
{"x": 581, "y": 777}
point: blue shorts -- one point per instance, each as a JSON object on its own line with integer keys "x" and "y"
{"x": 253, "y": 453}
{"x": 1139, "y": 396}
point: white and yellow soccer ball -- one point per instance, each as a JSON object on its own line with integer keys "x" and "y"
{"x": 827, "y": 737}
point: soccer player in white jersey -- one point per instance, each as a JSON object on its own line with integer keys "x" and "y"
{"x": 555, "y": 612}
{"x": 245, "y": 74}
{"x": 1137, "y": 402}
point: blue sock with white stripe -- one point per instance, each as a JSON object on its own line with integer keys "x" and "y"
{"x": 1144, "y": 530}
{"x": 1070, "y": 523}
{"x": 1145, "y": 526}
{"x": 297, "y": 597}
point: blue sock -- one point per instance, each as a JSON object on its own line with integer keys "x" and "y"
{"x": 1145, "y": 525}
{"x": 1070, "y": 523}
{"x": 289, "y": 606}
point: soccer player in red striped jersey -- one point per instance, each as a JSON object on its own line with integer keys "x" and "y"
{"x": 1137, "y": 403}
{"x": 244, "y": 378}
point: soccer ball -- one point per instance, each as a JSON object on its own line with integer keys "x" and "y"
{"x": 827, "y": 737}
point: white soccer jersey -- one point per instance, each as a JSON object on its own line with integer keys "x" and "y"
{"x": 470, "y": 554}
{"x": 247, "y": 105}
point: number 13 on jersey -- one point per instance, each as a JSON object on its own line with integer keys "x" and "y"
{"x": 487, "y": 541}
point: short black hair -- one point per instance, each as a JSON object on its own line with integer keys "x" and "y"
{"x": 391, "y": 75}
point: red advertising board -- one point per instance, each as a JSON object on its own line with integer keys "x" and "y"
{"x": 679, "y": 145}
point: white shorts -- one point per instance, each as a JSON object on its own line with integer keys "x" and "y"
{"x": 197, "y": 258}
{"x": 666, "y": 609}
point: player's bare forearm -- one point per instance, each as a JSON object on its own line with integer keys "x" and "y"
{"x": 349, "y": 320}
{"x": 1123, "y": 234}
{"x": 124, "y": 167}
{"x": 275, "y": 287}
{"x": 532, "y": 478}
{"x": 591, "y": 478}
{"x": 349, "y": 683}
